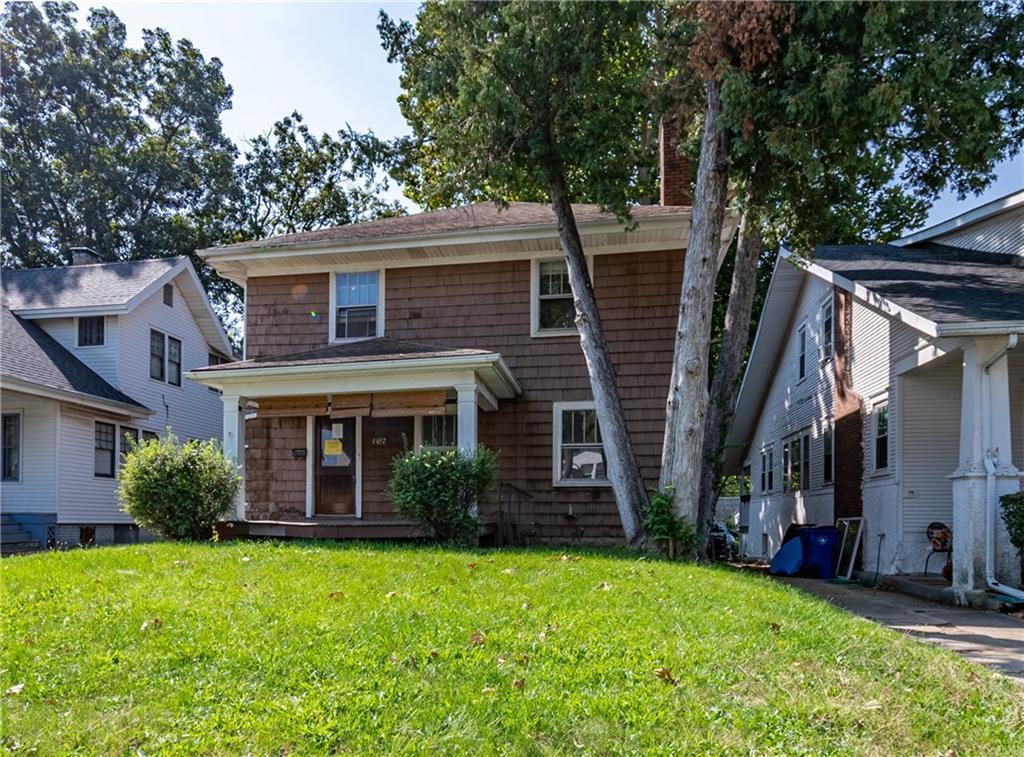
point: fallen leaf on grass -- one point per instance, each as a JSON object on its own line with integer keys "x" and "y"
{"x": 488, "y": 690}
{"x": 775, "y": 627}
{"x": 471, "y": 566}
{"x": 476, "y": 638}
{"x": 519, "y": 683}
{"x": 15, "y": 689}
{"x": 434, "y": 654}
{"x": 604, "y": 586}
{"x": 508, "y": 571}
{"x": 153, "y": 624}
{"x": 666, "y": 675}
{"x": 874, "y": 704}
{"x": 391, "y": 594}
{"x": 336, "y": 595}
{"x": 527, "y": 605}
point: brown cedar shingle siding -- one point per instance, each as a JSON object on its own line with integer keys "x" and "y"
{"x": 487, "y": 306}
{"x": 275, "y": 482}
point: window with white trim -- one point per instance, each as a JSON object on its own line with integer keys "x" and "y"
{"x": 828, "y": 453}
{"x": 440, "y": 431}
{"x": 767, "y": 469}
{"x": 801, "y": 337}
{"x": 90, "y": 331}
{"x": 356, "y": 305}
{"x": 11, "y": 447}
{"x": 106, "y": 434}
{"x": 827, "y": 330}
{"x": 129, "y": 438}
{"x": 796, "y": 463}
{"x": 173, "y": 361}
{"x": 554, "y": 311}
{"x": 881, "y": 435}
{"x": 579, "y": 458}
{"x": 157, "y": 353}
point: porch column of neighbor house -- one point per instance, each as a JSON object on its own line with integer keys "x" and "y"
{"x": 467, "y": 416}
{"x": 234, "y": 444}
{"x": 984, "y": 427}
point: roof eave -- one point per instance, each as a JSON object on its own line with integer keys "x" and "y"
{"x": 969, "y": 218}
{"x": 79, "y": 398}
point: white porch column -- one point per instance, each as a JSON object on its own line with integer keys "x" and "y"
{"x": 984, "y": 426}
{"x": 467, "y": 416}
{"x": 234, "y": 444}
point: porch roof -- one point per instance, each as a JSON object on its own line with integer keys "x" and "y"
{"x": 355, "y": 363}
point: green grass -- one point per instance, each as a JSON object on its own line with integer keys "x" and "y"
{"x": 309, "y": 648}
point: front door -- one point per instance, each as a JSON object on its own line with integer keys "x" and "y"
{"x": 336, "y": 466}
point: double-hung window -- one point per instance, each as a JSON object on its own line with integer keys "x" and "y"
{"x": 169, "y": 295}
{"x": 173, "y": 361}
{"x": 881, "y": 417}
{"x": 767, "y": 469}
{"x": 157, "y": 354}
{"x": 356, "y": 305}
{"x": 129, "y": 438}
{"x": 579, "y": 458}
{"x": 11, "y": 447}
{"x": 828, "y": 453}
{"x": 104, "y": 449}
{"x": 796, "y": 463}
{"x": 827, "y": 330}
{"x": 440, "y": 431}
{"x": 801, "y": 338}
{"x": 553, "y": 311}
{"x": 90, "y": 331}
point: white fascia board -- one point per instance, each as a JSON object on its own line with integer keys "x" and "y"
{"x": 972, "y": 216}
{"x": 865, "y": 295}
{"x": 981, "y": 328}
{"x": 78, "y": 398}
{"x": 42, "y": 313}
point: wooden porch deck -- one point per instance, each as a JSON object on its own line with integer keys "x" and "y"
{"x": 320, "y": 527}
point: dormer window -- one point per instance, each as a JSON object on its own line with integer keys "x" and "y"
{"x": 357, "y": 306}
{"x": 90, "y": 331}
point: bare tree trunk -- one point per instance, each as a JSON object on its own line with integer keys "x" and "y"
{"x": 688, "y": 394}
{"x": 623, "y": 470}
{"x": 725, "y": 381}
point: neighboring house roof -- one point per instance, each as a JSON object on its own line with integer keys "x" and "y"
{"x": 1002, "y": 235}
{"x": 945, "y": 285}
{"x": 362, "y": 351}
{"x": 109, "y": 289}
{"x": 30, "y": 358}
{"x": 481, "y": 215}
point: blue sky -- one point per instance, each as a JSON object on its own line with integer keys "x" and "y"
{"x": 324, "y": 60}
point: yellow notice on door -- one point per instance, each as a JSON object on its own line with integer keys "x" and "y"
{"x": 333, "y": 447}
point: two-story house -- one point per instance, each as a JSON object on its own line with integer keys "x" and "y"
{"x": 92, "y": 353}
{"x": 447, "y": 328}
{"x": 886, "y": 382}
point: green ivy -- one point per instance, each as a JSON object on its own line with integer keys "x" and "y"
{"x": 662, "y": 524}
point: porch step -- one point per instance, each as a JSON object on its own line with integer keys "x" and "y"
{"x": 319, "y": 528}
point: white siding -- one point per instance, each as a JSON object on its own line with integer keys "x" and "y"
{"x": 191, "y": 410}
{"x": 102, "y": 358}
{"x": 36, "y": 492}
{"x": 84, "y": 497}
{"x": 1001, "y": 233}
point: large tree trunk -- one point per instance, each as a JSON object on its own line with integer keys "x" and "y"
{"x": 623, "y": 470}
{"x": 688, "y": 393}
{"x": 726, "y": 379}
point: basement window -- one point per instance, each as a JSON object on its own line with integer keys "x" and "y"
{"x": 579, "y": 458}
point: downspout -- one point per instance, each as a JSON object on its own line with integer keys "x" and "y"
{"x": 990, "y": 476}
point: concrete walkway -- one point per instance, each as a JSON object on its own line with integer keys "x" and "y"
{"x": 988, "y": 638}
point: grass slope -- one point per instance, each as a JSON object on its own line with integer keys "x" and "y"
{"x": 305, "y": 648}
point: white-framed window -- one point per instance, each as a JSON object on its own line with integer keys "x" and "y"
{"x": 438, "y": 431}
{"x": 91, "y": 331}
{"x": 880, "y": 423}
{"x": 11, "y": 438}
{"x": 552, "y": 311}
{"x": 828, "y": 453}
{"x": 796, "y": 463}
{"x": 105, "y": 444}
{"x": 827, "y": 329}
{"x": 767, "y": 469}
{"x": 165, "y": 358}
{"x": 127, "y": 438}
{"x": 173, "y": 361}
{"x": 801, "y": 365}
{"x": 357, "y": 301}
{"x": 579, "y": 458}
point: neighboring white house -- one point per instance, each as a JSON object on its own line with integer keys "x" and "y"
{"x": 887, "y": 381}
{"x": 90, "y": 353}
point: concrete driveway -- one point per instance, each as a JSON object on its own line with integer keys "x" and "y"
{"x": 988, "y": 638}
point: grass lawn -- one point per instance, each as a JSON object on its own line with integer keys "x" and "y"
{"x": 307, "y": 648}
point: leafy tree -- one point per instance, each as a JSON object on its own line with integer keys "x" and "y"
{"x": 841, "y": 123}
{"x": 512, "y": 95}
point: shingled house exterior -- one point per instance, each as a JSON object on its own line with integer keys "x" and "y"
{"x": 448, "y": 328}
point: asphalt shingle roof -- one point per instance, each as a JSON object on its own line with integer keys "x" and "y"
{"x": 29, "y": 354}
{"x": 79, "y": 286}
{"x": 481, "y": 215}
{"x": 943, "y": 284}
{"x": 363, "y": 351}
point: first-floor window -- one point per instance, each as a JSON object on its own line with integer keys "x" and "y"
{"x": 173, "y": 361}
{"x": 12, "y": 447}
{"x": 579, "y": 451}
{"x": 440, "y": 431}
{"x": 767, "y": 469}
{"x": 104, "y": 452}
{"x": 796, "y": 463}
{"x": 148, "y": 436}
{"x": 882, "y": 436}
{"x": 828, "y": 451}
{"x": 156, "y": 355}
{"x": 129, "y": 438}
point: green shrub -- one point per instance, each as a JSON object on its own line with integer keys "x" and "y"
{"x": 440, "y": 490}
{"x": 1013, "y": 517}
{"x": 178, "y": 490}
{"x": 661, "y": 522}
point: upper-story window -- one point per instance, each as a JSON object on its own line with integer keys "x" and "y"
{"x": 90, "y": 331}
{"x": 881, "y": 435}
{"x": 173, "y": 361}
{"x": 801, "y": 366}
{"x": 827, "y": 330}
{"x": 552, "y": 310}
{"x": 357, "y": 305}
{"x": 579, "y": 457}
{"x": 156, "y": 355}
{"x": 169, "y": 295}
{"x": 165, "y": 358}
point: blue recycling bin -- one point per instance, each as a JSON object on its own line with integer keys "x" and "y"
{"x": 820, "y": 547}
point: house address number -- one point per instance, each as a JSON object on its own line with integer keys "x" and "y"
{"x": 379, "y": 441}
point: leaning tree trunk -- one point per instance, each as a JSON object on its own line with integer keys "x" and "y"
{"x": 623, "y": 470}
{"x": 688, "y": 393}
{"x": 725, "y": 381}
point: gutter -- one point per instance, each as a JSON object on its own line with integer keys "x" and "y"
{"x": 990, "y": 476}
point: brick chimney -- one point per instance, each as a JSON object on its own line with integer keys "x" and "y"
{"x": 676, "y": 172}
{"x": 84, "y": 256}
